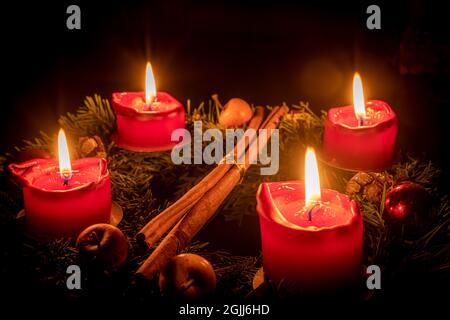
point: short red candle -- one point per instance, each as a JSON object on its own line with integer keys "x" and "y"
{"x": 54, "y": 210}
{"x": 146, "y": 120}
{"x": 311, "y": 257}
{"x": 369, "y": 146}
{"x": 141, "y": 127}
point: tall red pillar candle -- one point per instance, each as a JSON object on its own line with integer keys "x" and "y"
{"x": 306, "y": 249}
{"x": 360, "y": 140}
{"x": 61, "y": 203}
{"x": 146, "y": 120}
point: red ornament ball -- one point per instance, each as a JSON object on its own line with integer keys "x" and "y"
{"x": 408, "y": 207}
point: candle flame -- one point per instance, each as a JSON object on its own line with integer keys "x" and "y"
{"x": 65, "y": 169}
{"x": 358, "y": 98}
{"x": 312, "y": 183}
{"x": 150, "y": 86}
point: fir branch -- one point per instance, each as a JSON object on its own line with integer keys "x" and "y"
{"x": 43, "y": 142}
{"x": 95, "y": 117}
{"x": 424, "y": 173}
{"x": 231, "y": 270}
{"x": 380, "y": 241}
{"x": 301, "y": 125}
{"x": 51, "y": 260}
{"x": 3, "y": 163}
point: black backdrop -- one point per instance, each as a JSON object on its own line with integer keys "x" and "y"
{"x": 265, "y": 52}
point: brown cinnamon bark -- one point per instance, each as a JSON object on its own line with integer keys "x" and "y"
{"x": 201, "y": 212}
{"x": 192, "y": 222}
{"x": 159, "y": 225}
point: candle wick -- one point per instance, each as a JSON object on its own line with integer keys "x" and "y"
{"x": 310, "y": 211}
{"x": 151, "y": 104}
{"x": 66, "y": 177}
{"x": 360, "y": 121}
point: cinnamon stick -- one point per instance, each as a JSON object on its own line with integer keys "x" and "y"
{"x": 183, "y": 232}
{"x": 270, "y": 116}
{"x": 159, "y": 225}
{"x": 180, "y": 236}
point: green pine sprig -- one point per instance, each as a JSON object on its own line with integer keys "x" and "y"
{"x": 95, "y": 117}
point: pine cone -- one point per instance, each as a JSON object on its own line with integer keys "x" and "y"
{"x": 91, "y": 147}
{"x": 368, "y": 185}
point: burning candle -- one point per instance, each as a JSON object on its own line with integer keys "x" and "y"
{"x": 62, "y": 198}
{"x": 362, "y": 136}
{"x": 311, "y": 238}
{"x": 146, "y": 120}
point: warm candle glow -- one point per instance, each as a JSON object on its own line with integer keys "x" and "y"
{"x": 150, "y": 86}
{"x": 65, "y": 169}
{"x": 358, "y": 98}
{"x": 312, "y": 183}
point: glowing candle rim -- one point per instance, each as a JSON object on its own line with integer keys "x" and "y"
{"x": 282, "y": 222}
{"x": 391, "y": 116}
{"x": 127, "y": 110}
{"x": 53, "y": 168}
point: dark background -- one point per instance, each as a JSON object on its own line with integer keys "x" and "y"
{"x": 265, "y": 52}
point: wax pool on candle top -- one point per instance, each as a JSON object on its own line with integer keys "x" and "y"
{"x": 136, "y": 100}
{"x": 52, "y": 181}
{"x": 376, "y": 113}
{"x": 328, "y": 212}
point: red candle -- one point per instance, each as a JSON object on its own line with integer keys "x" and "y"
{"x": 145, "y": 121}
{"x": 360, "y": 136}
{"x": 311, "y": 238}
{"x": 62, "y": 199}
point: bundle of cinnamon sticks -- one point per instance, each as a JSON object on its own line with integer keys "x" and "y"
{"x": 197, "y": 206}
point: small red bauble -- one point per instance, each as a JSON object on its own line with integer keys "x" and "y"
{"x": 408, "y": 206}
